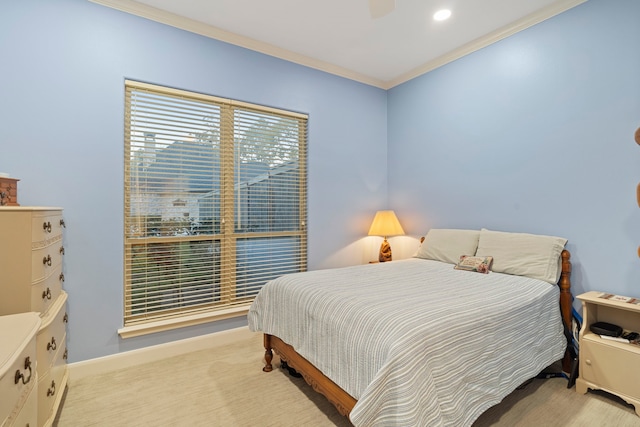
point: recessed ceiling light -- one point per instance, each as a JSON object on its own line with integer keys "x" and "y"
{"x": 441, "y": 15}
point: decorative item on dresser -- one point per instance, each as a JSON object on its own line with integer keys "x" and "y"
{"x": 18, "y": 375}
{"x": 608, "y": 364}
{"x": 8, "y": 190}
{"x": 31, "y": 257}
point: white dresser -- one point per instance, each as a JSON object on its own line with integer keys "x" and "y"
{"x": 31, "y": 255}
{"x": 18, "y": 370}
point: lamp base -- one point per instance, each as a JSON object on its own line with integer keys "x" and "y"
{"x": 385, "y": 251}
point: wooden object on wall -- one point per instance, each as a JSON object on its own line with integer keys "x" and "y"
{"x": 8, "y": 191}
{"x": 637, "y": 137}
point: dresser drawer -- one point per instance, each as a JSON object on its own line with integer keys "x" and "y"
{"x": 27, "y": 412}
{"x": 46, "y": 226}
{"x": 45, "y": 292}
{"x": 51, "y": 388}
{"x": 18, "y": 363}
{"x": 51, "y": 337}
{"x": 15, "y": 394}
{"x": 611, "y": 367}
{"x": 45, "y": 260}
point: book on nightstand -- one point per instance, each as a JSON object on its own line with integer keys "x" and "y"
{"x": 619, "y": 298}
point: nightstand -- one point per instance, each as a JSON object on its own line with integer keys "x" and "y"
{"x": 604, "y": 364}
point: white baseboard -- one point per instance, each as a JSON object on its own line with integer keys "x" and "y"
{"x": 102, "y": 365}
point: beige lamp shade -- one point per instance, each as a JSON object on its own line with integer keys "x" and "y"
{"x": 386, "y": 224}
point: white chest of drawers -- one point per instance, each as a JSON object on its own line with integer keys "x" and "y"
{"x": 30, "y": 258}
{"x": 18, "y": 369}
{"x": 31, "y": 261}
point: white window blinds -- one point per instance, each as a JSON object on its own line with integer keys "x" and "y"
{"x": 215, "y": 201}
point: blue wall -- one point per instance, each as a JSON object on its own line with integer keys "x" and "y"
{"x": 62, "y": 72}
{"x": 532, "y": 134}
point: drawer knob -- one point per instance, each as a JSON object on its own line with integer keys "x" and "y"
{"x": 47, "y": 226}
{"x": 61, "y": 250}
{"x": 65, "y": 319}
{"x": 65, "y": 355}
{"x": 47, "y": 260}
{"x": 20, "y": 376}
{"x": 52, "y": 345}
{"x": 52, "y": 390}
{"x": 46, "y": 294}
{"x": 62, "y": 224}
{"x": 61, "y": 278}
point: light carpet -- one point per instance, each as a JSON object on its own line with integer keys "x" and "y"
{"x": 226, "y": 387}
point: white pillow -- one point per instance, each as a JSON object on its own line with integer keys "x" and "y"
{"x": 523, "y": 254}
{"x": 447, "y": 245}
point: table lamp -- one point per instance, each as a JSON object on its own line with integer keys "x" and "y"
{"x": 385, "y": 224}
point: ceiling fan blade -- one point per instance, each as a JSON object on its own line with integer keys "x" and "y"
{"x": 380, "y": 8}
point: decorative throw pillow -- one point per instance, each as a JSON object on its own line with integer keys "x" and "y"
{"x": 479, "y": 264}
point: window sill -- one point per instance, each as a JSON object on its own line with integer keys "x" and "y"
{"x": 181, "y": 322}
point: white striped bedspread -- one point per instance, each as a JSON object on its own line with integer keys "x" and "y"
{"x": 415, "y": 341}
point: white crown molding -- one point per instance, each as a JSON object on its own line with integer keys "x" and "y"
{"x": 197, "y": 27}
{"x": 495, "y": 36}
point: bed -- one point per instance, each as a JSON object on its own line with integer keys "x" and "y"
{"x": 429, "y": 340}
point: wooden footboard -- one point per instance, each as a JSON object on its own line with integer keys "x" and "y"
{"x": 343, "y": 401}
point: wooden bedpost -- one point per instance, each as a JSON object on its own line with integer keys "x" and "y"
{"x": 566, "y": 302}
{"x": 268, "y": 354}
{"x": 565, "y": 288}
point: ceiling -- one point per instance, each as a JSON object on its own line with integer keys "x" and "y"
{"x": 341, "y": 36}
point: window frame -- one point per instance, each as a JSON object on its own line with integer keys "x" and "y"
{"x": 227, "y": 235}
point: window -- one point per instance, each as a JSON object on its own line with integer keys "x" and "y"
{"x": 215, "y": 204}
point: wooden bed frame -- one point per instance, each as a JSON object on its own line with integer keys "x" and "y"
{"x": 343, "y": 401}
